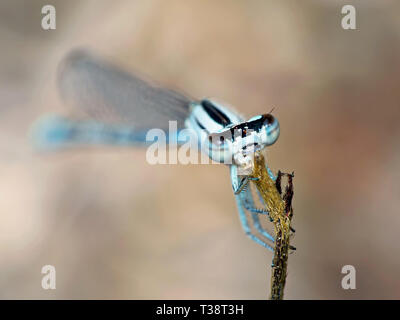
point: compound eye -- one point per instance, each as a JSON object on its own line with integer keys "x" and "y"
{"x": 269, "y": 119}
{"x": 271, "y": 126}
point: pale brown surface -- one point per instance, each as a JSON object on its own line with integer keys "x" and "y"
{"x": 116, "y": 227}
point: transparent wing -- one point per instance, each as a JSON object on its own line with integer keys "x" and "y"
{"x": 99, "y": 91}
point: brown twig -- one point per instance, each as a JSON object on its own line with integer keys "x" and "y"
{"x": 281, "y": 213}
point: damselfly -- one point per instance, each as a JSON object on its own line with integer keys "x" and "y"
{"x": 119, "y": 109}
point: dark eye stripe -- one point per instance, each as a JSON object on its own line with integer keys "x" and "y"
{"x": 200, "y": 125}
{"x": 217, "y": 115}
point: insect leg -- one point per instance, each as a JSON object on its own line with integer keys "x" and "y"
{"x": 246, "y": 227}
{"x": 251, "y": 208}
{"x": 248, "y": 203}
{"x": 270, "y": 173}
{"x": 238, "y": 183}
{"x": 259, "y": 228}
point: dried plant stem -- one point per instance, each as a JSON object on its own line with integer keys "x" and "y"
{"x": 281, "y": 213}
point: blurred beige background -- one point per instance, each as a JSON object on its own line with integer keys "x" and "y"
{"x": 116, "y": 227}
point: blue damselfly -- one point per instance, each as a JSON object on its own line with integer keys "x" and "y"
{"x": 117, "y": 108}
